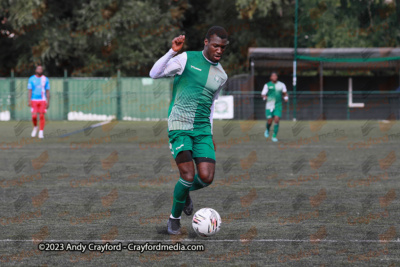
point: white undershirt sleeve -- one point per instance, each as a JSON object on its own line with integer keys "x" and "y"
{"x": 284, "y": 90}
{"x": 265, "y": 90}
{"x": 212, "y": 106}
{"x": 212, "y": 114}
{"x": 168, "y": 65}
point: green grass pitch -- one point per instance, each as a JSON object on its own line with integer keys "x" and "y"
{"x": 327, "y": 194}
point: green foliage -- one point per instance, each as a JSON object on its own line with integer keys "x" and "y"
{"x": 347, "y": 23}
{"x": 247, "y": 8}
{"x": 88, "y": 38}
{"x": 95, "y": 38}
{"x": 259, "y": 29}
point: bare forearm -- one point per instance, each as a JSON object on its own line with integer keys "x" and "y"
{"x": 29, "y": 97}
{"x": 48, "y": 98}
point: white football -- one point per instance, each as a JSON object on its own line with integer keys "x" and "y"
{"x": 206, "y": 222}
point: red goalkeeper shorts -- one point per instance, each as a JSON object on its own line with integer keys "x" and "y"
{"x": 38, "y": 106}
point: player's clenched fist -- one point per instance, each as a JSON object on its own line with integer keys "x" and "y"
{"x": 178, "y": 42}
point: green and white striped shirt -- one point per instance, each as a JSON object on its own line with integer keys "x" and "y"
{"x": 197, "y": 84}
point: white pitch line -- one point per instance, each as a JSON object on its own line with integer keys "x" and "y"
{"x": 215, "y": 241}
{"x": 87, "y": 128}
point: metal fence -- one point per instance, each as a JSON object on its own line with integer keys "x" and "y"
{"x": 147, "y": 99}
{"x": 326, "y": 105}
{"x": 91, "y": 99}
{"x": 329, "y": 105}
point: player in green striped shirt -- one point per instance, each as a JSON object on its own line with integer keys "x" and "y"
{"x": 272, "y": 92}
{"x": 198, "y": 80}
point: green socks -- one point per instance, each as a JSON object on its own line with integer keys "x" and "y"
{"x": 181, "y": 190}
{"x": 276, "y": 129}
{"x": 198, "y": 183}
{"x": 268, "y": 126}
{"x": 180, "y": 193}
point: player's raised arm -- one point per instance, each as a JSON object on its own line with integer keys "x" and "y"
{"x": 177, "y": 43}
{"x": 168, "y": 65}
{"x": 264, "y": 92}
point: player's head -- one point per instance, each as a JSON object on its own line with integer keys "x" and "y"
{"x": 274, "y": 76}
{"x": 215, "y": 43}
{"x": 39, "y": 70}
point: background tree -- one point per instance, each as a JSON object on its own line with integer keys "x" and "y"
{"x": 95, "y": 38}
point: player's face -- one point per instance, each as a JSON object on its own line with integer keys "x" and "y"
{"x": 39, "y": 70}
{"x": 274, "y": 77}
{"x": 215, "y": 47}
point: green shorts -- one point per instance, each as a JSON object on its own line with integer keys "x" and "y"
{"x": 272, "y": 113}
{"x": 200, "y": 144}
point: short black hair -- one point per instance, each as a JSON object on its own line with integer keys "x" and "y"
{"x": 274, "y": 72}
{"x": 218, "y": 30}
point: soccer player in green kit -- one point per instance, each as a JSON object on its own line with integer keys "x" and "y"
{"x": 272, "y": 92}
{"x": 198, "y": 80}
